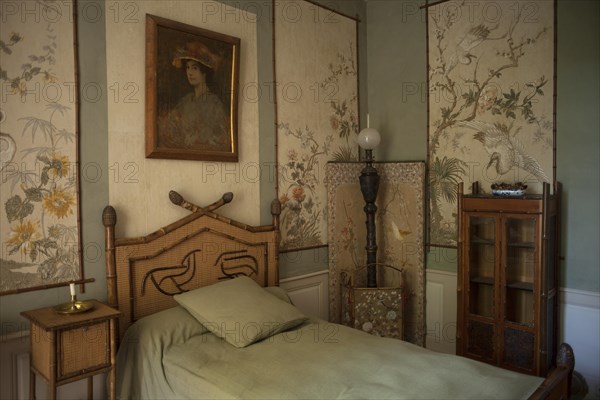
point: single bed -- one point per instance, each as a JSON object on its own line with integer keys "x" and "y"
{"x": 170, "y": 349}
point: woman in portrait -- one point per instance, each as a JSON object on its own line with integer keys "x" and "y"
{"x": 199, "y": 120}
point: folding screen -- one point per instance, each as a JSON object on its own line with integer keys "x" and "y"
{"x": 400, "y": 237}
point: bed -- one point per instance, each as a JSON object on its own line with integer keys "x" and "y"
{"x": 202, "y": 317}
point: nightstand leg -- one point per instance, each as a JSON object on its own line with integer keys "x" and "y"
{"x": 31, "y": 384}
{"x": 52, "y": 390}
{"x": 53, "y": 366}
{"x": 90, "y": 387}
{"x": 112, "y": 385}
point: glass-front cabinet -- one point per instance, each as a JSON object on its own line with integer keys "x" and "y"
{"x": 507, "y": 286}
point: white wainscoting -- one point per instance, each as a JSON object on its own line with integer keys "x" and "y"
{"x": 580, "y": 327}
{"x": 14, "y": 374}
{"x": 310, "y": 293}
{"x": 440, "y": 311}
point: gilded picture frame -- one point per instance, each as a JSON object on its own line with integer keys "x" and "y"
{"x": 192, "y": 77}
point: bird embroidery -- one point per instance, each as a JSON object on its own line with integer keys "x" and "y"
{"x": 398, "y": 233}
{"x": 505, "y": 152}
{"x": 473, "y": 38}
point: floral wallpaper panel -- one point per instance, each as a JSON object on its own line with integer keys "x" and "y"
{"x": 39, "y": 229}
{"x": 491, "y": 114}
{"x": 317, "y": 112}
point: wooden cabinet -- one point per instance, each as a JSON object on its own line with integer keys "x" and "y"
{"x": 508, "y": 279}
{"x": 66, "y": 348}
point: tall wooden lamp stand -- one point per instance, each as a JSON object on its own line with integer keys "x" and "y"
{"x": 368, "y": 139}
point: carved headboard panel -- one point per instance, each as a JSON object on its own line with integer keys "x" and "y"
{"x": 201, "y": 249}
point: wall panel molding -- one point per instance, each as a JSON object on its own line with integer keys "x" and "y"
{"x": 441, "y": 311}
{"x": 310, "y": 293}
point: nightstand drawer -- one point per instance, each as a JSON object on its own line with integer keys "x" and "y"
{"x": 83, "y": 349}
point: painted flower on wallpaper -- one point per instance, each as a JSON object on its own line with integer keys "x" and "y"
{"x": 58, "y": 166}
{"x": 470, "y": 95}
{"x": 59, "y": 202}
{"x": 36, "y": 64}
{"x": 299, "y": 180}
{"x": 303, "y": 206}
{"x": 344, "y": 118}
{"x": 23, "y": 236}
{"x": 487, "y": 99}
{"x": 40, "y": 189}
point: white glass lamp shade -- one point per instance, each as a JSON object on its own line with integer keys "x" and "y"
{"x": 369, "y": 138}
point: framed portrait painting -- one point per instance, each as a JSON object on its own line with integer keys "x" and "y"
{"x": 191, "y": 92}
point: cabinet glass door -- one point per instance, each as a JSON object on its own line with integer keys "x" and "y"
{"x": 482, "y": 256}
{"x": 520, "y": 266}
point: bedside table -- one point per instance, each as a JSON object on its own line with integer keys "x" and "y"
{"x": 69, "y": 347}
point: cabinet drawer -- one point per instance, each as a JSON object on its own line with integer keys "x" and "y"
{"x": 83, "y": 349}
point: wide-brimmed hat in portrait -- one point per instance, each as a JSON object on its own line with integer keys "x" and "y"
{"x": 199, "y": 52}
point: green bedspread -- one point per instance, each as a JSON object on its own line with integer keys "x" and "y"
{"x": 170, "y": 355}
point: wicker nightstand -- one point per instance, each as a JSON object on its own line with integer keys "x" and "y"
{"x": 66, "y": 348}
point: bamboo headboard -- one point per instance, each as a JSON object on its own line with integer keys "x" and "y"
{"x": 143, "y": 273}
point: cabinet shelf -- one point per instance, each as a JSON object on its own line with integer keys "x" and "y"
{"x": 525, "y": 327}
{"x": 485, "y": 242}
{"x": 522, "y": 245}
{"x": 528, "y": 286}
{"x": 482, "y": 280}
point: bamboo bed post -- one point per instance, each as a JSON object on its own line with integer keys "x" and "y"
{"x": 557, "y": 258}
{"x": 275, "y": 212}
{"x": 109, "y": 220}
{"x": 566, "y": 359}
{"x": 545, "y": 290}
{"x": 557, "y": 385}
{"x": 178, "y": 200}
{"x": 459, "y": 281}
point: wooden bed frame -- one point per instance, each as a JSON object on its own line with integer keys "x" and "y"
{"x": 143, "y": 273}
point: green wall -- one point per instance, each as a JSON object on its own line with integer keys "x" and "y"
{"x": 578, "y": 140}
{"x": 396, "y": 79}
{"x": 397, "y": 104}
